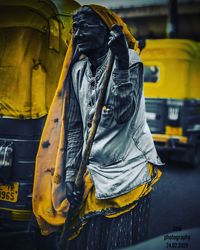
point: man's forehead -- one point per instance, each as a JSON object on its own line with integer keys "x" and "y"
{"x": 86, "y": 17}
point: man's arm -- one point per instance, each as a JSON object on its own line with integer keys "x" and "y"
{"x": 127, "y": 90}
{"x": 128, "y": 85}
{"x": 74, "y": 138}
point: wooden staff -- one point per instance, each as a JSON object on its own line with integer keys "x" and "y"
{"x": 79, "y": 181}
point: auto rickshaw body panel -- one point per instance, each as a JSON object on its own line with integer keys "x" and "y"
{"x": 172, "y": 91}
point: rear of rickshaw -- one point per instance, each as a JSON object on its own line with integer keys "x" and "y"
{"x": 172, "y": 91}
{"x": 34, "y": 39}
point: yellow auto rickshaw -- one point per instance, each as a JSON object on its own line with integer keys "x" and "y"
{"x": 172, "y": 91}
{"x": 34, "y": 39}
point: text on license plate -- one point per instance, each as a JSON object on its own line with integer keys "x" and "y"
{"x": 9, "y": 192}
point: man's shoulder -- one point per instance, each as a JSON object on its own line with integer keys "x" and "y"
{"x": 133, "y": 57}
{"x": 79, "y": 64}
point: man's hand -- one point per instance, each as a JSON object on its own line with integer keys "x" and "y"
{"x": 119, "y": 47}
{"x": 74, "y": 196}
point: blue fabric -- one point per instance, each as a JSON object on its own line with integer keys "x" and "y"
{"x": 102, "y": 233}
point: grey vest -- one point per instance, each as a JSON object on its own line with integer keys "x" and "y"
{"x": 120, "y": 152}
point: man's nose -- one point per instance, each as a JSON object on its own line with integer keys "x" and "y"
{"x": 78, "y": 33}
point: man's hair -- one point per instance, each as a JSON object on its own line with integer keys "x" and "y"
{"x": 86, "y": 10}
{"x": 83, "y": 9}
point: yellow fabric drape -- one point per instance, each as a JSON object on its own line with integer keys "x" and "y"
{"x": 114, "y": 207}
{"x": 49, "y": 202}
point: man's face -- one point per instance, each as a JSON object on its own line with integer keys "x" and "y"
{"x": 89, "y": 32}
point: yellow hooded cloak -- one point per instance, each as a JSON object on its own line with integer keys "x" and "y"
{"x": 49, "y": 199}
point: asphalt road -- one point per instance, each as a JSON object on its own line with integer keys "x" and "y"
{"x": 175, "y": 202}
{"x": 175, "y": 207}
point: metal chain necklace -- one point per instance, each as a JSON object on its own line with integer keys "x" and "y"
{"x": 93, "y": 80}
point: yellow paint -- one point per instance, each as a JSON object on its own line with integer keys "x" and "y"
{"x": 34, "y": 39}
{"x": 179, "y": 62}
{"x": 165, "y": 138}
{"x": 169, "y": 130}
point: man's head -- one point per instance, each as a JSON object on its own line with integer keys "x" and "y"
{"x": 90, "y": 33}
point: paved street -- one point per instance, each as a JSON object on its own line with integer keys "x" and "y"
{"x": 175, "y": 205}
{"x": 175, "y": 202}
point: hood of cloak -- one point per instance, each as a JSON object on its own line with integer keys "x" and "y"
{"x": 50, "y": 205}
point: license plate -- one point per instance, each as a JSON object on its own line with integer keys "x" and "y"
{"x": 9, "y": 192}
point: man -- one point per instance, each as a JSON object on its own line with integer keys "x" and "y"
{"x": 121, "y": 167}
{"x": 123, "y": 145}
